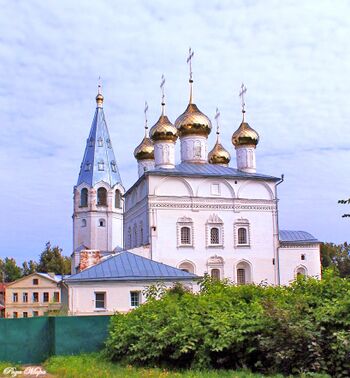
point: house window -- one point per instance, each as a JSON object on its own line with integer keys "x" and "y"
{"x": 135, "y": 298}
{"x": 15, "y": 297}
{"x": 100, "y": 142}
{"x": 118, "y": 199}
{"x": 25, "y": 297}
{"x": 35, "y": 313}
{"x": 241, "y": 280}
{"x": 35, "y": 297}
{"x": 185, "y": 235}
{"x": 102, "y": 223}
{"x": 25, "y": 314}
{"x": 214, "y": 236}
{"x": 100, "y": 300}
{"x": 83, "y": 223}
{"x": 101, "y": 165}
{"x": 242, "y": 235}
{"x": 15, "y": 314}
{"x": 56, "y": 296}
{"x": 84, "y": 197}
{"x": 45, "y": 297}
{"x": 215, "y": 274}
{"x": 35, "y": 281}
{"x": 102, "y": 197}
{"x": 114, "y": 166}
{"x": 303, "y": 256}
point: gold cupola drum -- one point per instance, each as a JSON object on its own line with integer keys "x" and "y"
{"x": 245, "y": 140}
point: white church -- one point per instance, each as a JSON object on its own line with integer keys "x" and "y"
{"x": 179, "y": 220}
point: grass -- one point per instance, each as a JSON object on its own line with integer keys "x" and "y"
{"x": 94, "y": 365}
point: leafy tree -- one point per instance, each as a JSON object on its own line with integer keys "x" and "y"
{"x": 52, "y": 260}
{"x": 337, "y": 257}
{"x": 29, "y": 267}
{"x": 9, "y": 271}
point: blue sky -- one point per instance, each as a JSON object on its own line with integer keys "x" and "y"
{"x": 293, "y": 56}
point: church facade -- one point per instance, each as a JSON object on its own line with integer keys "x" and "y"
{"x": 199, "y": 215}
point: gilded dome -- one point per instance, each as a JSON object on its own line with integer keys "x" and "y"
{"x": 219, "y": 155}
{"x": 145, "y": 150}
{"x": 99, "y": 100}
{"x": 193, "y": 122}
{"x": 163, "y": 130}
{"x": 245, "y": 135}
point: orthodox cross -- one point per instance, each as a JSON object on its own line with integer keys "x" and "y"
{"x": 162, "y": 83}
{"x": 217, "y": 116}
{"x": 189, "y": 60}
{"x": 145, "y": 111}
{"x": 241, "y": 95}
{"x": 99, "y": 85}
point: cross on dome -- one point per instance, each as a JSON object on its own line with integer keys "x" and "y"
{"x": 162, "y": 83}
{"x": 145, "y": 111}
{"x": 242, "y": 92}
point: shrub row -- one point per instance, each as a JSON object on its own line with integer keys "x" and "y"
{"x": 290, "y": 330}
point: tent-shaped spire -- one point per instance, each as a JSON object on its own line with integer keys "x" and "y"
{"x": 99, "y": 162}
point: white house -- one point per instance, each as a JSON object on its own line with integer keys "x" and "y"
{"x": 200, "y": 215}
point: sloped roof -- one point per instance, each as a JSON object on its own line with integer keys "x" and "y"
{"x": 126, "y": 266}
{"x": 287, "y": 236}
{"x": 99, "y": 149}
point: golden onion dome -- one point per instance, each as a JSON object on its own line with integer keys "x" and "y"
{"x": 99, "y": 100}
{"x": 145, "y": 150}
{"x": 193, "y": 122}
{"x": 219, "y": 155}
{"x": 163, "y": 130}
{"x": 245, "y": 135}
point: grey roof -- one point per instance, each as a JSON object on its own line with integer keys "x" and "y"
{"x": 296, "y": 237}
{"x": 99, "y": 149}
{"x": 56, "y": 277}
{"x": 126, "y": 266}
{"x": 206, "y": 169}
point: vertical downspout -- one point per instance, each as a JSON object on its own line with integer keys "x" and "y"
{"x": 278, "y": 233}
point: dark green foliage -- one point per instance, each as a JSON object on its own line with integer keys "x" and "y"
{"x": 29, "y": 267}
{"x": 9, "y": 271}
{"x": 51, "y": 260}
{"x": 302, "y": 328}
{"x": 337, "y": 257}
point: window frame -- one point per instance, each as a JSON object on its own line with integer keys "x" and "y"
{"x": 242, "y": 224}
{"x": 185, "y": 222}
{"x": 35, "y": 297}
{"x": 56, "y": 297}
{"x": 84, "y": 195}
{"x": 25, "y": 297}
{"x": 15, "y": 297}
{"x": 100, "y": 197}
{"x": 214, "y": 222}
{"x": 132, "y": 298}
{"x": 101, "y": 301}
{"x": 46, "y": 297}
{"x": 35, "y": 281}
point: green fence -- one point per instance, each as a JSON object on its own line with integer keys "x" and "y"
{"x": 33, "y": 340}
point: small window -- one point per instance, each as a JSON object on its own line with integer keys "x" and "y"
{"x": 185, "y": 235}
{"x": 102, "y": 223}
{"x": 215, "y": 274}
{"x": 118, "y": 199}
{"x": 100, "y": 300}
{"x": 15, "y": 297}
{"x": 242, "y": 236}
{"x": 214, "y": 236}
{"x": 15, "y": 314}
{"x": 35, "y": 297}
{"x": 129, "y": 237}
{"x": 84, "y": 197}
{"x": 100, "y": 142}
{"x": 101, "y": 165}
{"x": 303, "y": 256}
{"x": 101, "y": 197}
{"x": 108, "y": 141}
{"x": 135, "y": 235}
{"x": 91, "y": 142}
{"x": 25, "y": 297}
{"x": 215, "y": 189}
{"x": 35, "y": 313}
{"x": 87, "y": 167}
{"x": 113, "y": 166}
{"x": 135, "y": 298}
{"x": 25, "y": 314}
{"x": 83, "y": 223}
{"x": 35, "y": 281}
{"x": 45, "y": 297}
{"x": 56, "y": 296}
{"x": 241, "y": 280}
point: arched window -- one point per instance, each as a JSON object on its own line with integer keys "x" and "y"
{"x": 101, "y": 165}
{"x": 129, "y": 237}
{"x": 242, "y": 236}
{"x": 102, "y": 223}
{"x": 214, "y": 235}
{"x": 186, "y": 266}
{"x": 118, "y": 199}
{"x": 243, "y": 273}
{"x": 84, "y": 197}
{"x": 185, "y": 235}
{"x": 241, "y": 276}
{"x": 141, "y": 232}
{"x": 215, "y": 274}
{"x": 101, "y": 197}
{"x": 100, "y": 142}
{"x": 83, "y": 223}
{"x": 301, "y": 271}
{"x": 135, "y": 235}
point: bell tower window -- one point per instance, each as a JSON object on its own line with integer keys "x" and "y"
{"x": 84, "y": 197}
{"x": 100, "y": 142}
{"x": 101, "y": 165}
{"x": 102, "y": 197}
{"x": 118, "y": 199}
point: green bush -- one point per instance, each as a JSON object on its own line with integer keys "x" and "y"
{"x": 302, "y": 328}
